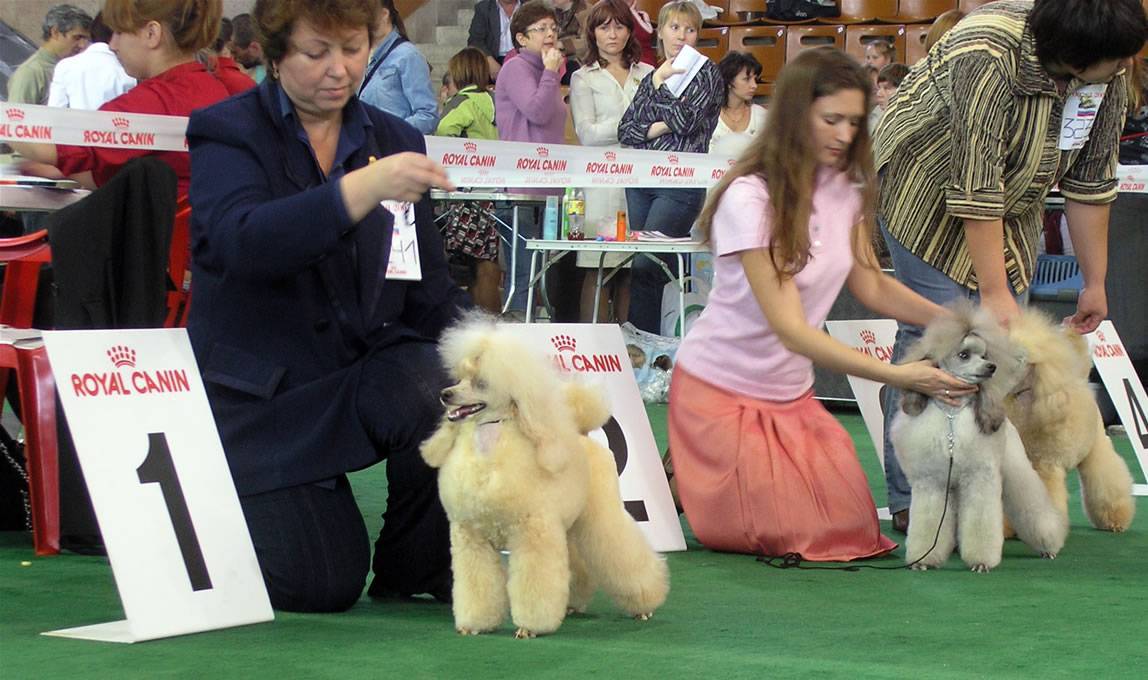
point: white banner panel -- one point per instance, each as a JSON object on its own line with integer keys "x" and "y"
{"x": 160, "y": 485}
{"x": 598, "y": 355}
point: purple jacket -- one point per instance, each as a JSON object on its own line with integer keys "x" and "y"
{"x": 528, "y": 105}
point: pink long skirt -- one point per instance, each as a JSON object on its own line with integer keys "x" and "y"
{"x": 769, "y": 478}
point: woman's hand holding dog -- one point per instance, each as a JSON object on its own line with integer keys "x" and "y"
{"x": 924, "y": 377}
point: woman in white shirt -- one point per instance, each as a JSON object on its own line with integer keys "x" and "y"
{"x": 740, "y": 118}
{"x": 600, "y": 92}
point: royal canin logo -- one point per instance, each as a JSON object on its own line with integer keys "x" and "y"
{"x": 542, "y": 151}
{"x": 611, "y": 156}
{"x": 470, "y": 147}
{"x": 672, "y": 159}
{"x": 868, "y": 337}
{"x": 1100, "y": 336}
{"x": 568, "y": 360}
{"x": 127, "y": 379}
{"x": 564, "y": 343}
{"x": 14, "y": 113}
{"x": 122, "y": 357}
{"x": 121, "y": 123}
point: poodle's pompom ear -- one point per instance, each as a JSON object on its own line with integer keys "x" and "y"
{"x": 989, "y": 403}
{"x": 913, "y": 403}
{"x": 588, "y": 405}
{"x": 540, "y": 399}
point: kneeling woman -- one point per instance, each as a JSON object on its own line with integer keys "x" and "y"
{"x": 761, "y": 466}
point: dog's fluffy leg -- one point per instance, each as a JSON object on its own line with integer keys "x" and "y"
{"x": 582, "y": 584}
{"x": 614, "y": 548}
{"x": 438, "y": 446}
{"x": 1053, "y": 478}
{"x": 979, "y": 524}
{"x": 479, "y": 590}
{"x": 1037, "y": 520}
{"x": 925, "y": 509}
{"x": 1106, "y": 487}
{"x": 539, "y": 584}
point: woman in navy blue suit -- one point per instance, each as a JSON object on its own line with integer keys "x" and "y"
{"x": 316, "y": 361}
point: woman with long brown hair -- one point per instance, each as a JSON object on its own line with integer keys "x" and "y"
{"x": 761, "y": 466}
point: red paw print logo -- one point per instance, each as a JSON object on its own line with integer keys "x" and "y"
{"x": 542, "y": 151}
{"x": 564, "y": 343}
{"x": 122, "y": 356}
{"x": 121, "y": 123}
{"x": 672, "y": 159}
{"x": 868, "y": 337}
{"x": 470, "y": 147}
{"x": 14, "y": 113}
{"x": 611, "y": 156}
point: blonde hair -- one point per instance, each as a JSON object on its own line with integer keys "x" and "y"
{"x": 681, "y": 9}
{"x": 941, "y": 26}
{"x": 193, "y": 24}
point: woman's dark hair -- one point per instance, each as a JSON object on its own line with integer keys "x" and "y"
{"x": 527, "y": 14}
{"x": 603, "y": 13}
{"x": 733, "y": 64}
{"x": 1080, "y": 33}
{"x": 224, "y": 36}
{"x": 275, "y": 20}
{"x": 396, "y": 18}
{"x": 892, "y": 74}
{"x": 784, "y": 157}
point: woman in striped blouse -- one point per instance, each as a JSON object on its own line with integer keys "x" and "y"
{"x": 658, "y": 120}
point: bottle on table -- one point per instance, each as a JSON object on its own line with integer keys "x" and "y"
{"x": 622, "y": 232}
{"x": 576, "y": 214}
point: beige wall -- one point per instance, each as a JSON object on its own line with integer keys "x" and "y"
{"x": 28, "y": 15}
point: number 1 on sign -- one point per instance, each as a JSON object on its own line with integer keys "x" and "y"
{"x": 158, "y": 468}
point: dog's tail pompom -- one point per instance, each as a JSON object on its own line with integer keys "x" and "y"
{"x": 588, "y": 405}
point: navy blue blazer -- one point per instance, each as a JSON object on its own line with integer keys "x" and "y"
{"x": 287, "y": 301}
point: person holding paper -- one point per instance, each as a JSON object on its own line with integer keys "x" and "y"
{"x": 761, "y": 466}
{"x": 662, "y": 118}
{"x": 315, "y": 331}
{"x": 1019, "y": 97}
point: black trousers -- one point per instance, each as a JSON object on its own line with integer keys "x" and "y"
{"x": 311, "y": 541}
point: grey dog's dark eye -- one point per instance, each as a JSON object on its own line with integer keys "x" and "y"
{"x": 479, "y": 384}
{"x": 964, "y": 355}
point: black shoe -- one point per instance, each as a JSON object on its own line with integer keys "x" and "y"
{"x": 901, "y": 521}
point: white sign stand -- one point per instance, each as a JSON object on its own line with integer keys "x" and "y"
{"x": 875, "y": 338}
{"x": 160, "y": 485}
{"x": 597, "y": 352}
{"x": 1125, "y": 389}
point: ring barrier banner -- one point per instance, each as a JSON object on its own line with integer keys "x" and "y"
{"x": 469, "y": 163}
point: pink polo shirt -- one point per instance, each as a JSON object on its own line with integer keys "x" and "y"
{"x": 731, "y": 345}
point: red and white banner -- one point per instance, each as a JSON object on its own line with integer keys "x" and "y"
{"x": 470, "y": 163}
{"x": 53, "y": 125}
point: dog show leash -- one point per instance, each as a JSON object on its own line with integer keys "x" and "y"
{"x": 794, "y": 560}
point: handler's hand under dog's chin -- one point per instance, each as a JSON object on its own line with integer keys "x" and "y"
{"x": 922, "y": 376}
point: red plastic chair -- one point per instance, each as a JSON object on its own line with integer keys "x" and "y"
{"x": 25, "y": 255}
{"x": 179, "y": 267}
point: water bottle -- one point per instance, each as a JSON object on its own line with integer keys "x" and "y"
{"x": 566, "y": 198}
{"x": 550, "y": 219}
{"x": 576, "y": 215}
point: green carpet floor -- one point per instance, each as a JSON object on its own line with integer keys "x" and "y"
{"x": 727, "y": 616}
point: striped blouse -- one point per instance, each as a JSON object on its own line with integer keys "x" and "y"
{"x": 691, "y": 117}
{"x": 972, "y": 133}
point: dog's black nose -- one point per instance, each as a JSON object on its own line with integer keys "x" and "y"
{"x": 991, "y": 368}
